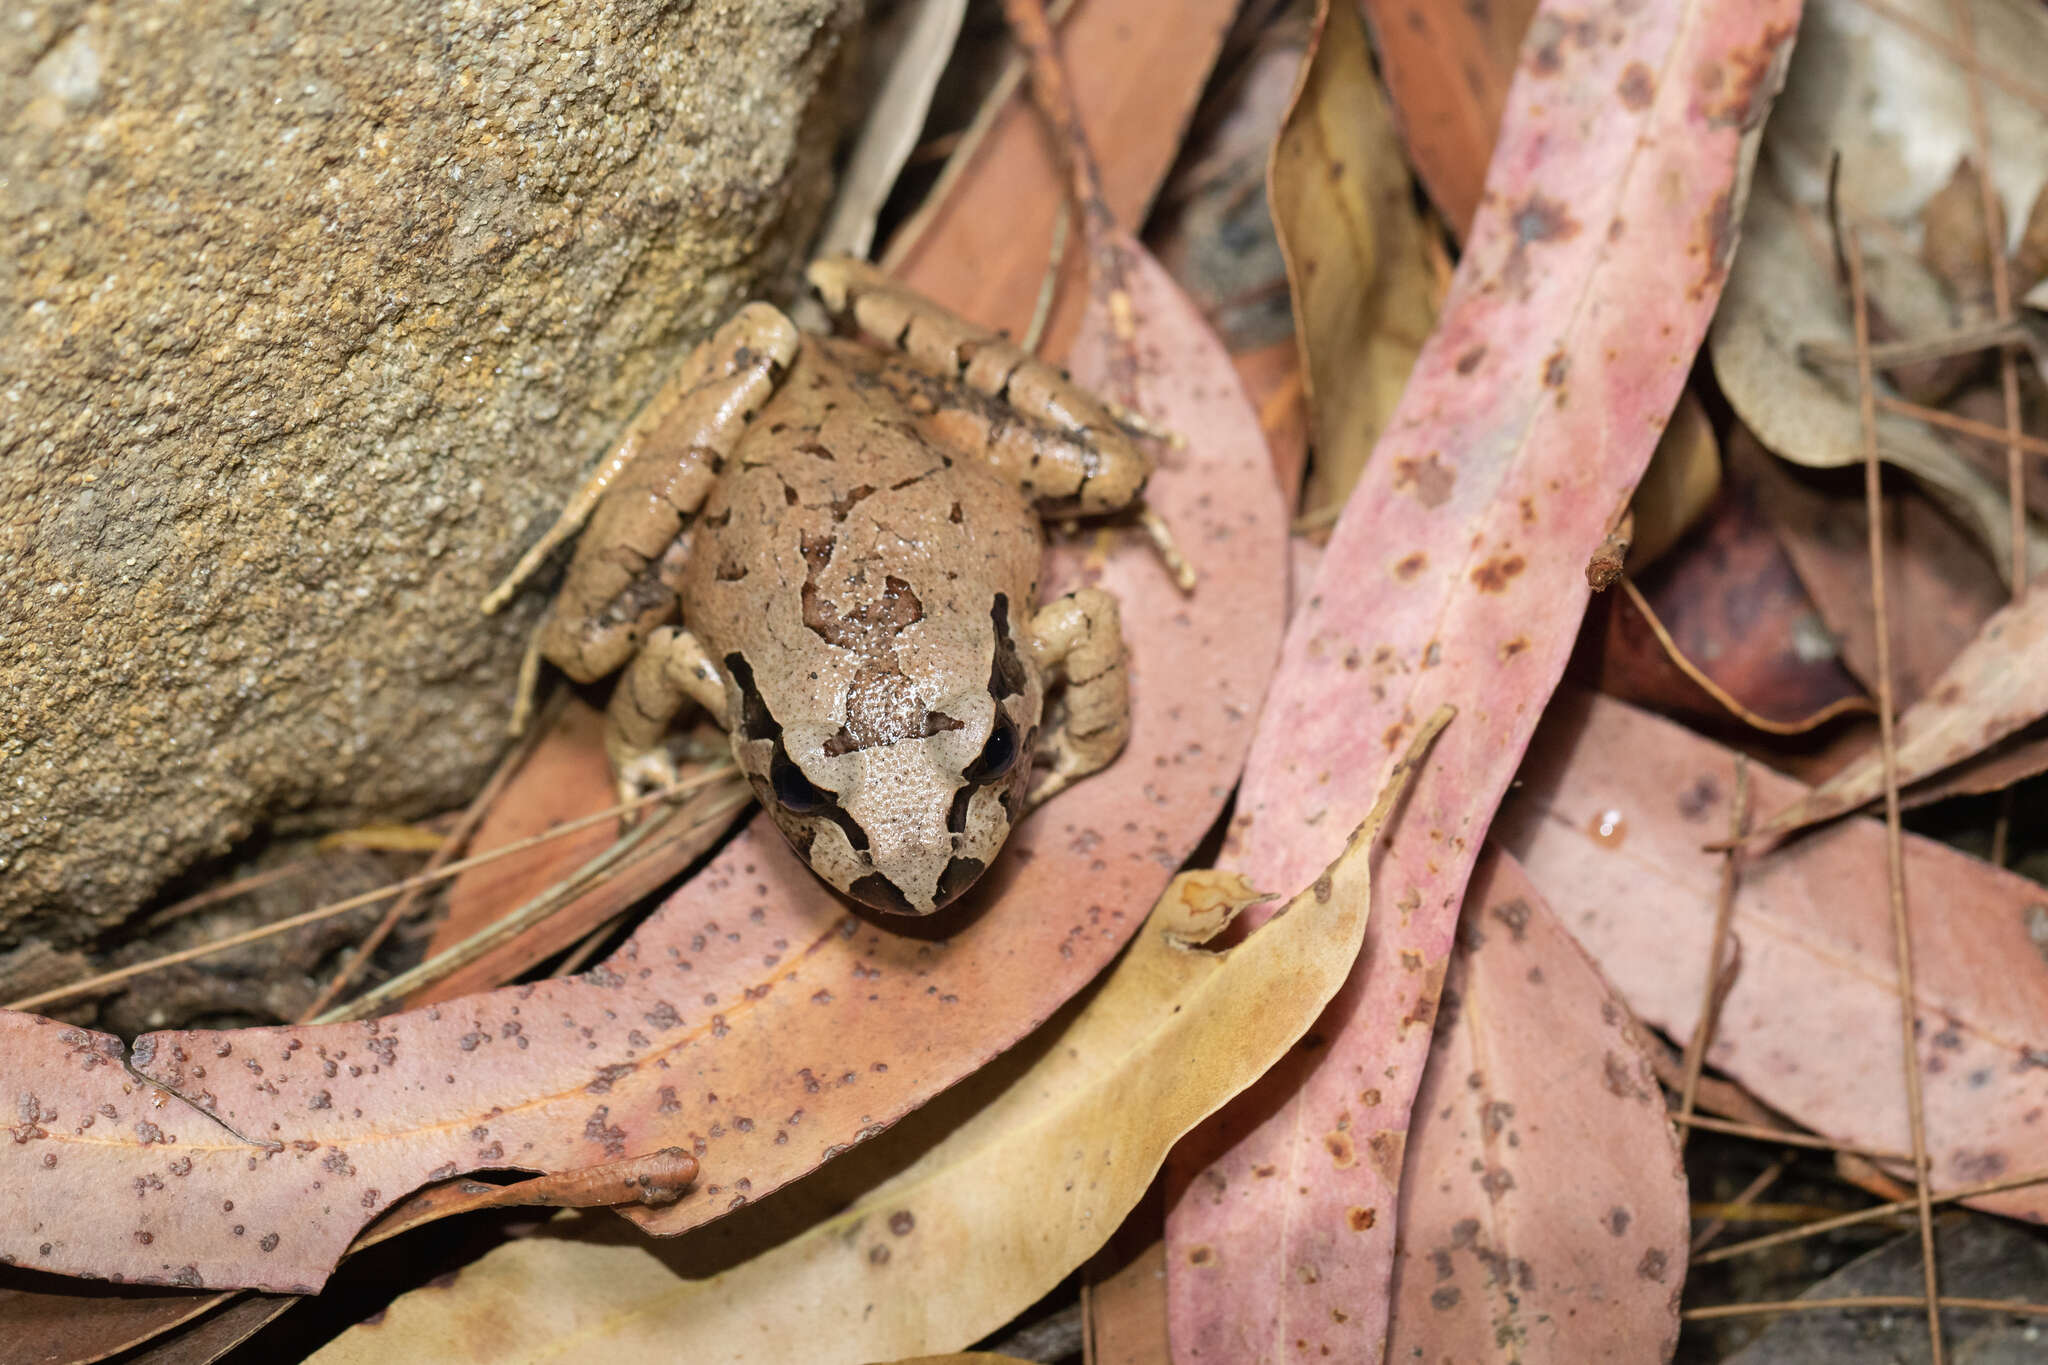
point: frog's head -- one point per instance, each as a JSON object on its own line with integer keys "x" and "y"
{"x": 906, "y": 799}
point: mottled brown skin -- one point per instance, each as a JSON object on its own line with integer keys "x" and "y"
{"x": 851, "y": 537}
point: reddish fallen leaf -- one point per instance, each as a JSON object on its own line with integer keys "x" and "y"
{"x": 1457, "y": 575}
{"x": 1739, "y": 636}
{"x": 982, "y": 244}
{"x": 1609, "y": 821}
{"x": 1272, "y": 381}
{"x": 565, "y": 778}
{"x": 1543, "y": 1201}
{"x": 1448, "y": 68}
{"x": 1996, "y": 686}
{"x": 753, "y": 1021}
{"x": 1940, "y": 585}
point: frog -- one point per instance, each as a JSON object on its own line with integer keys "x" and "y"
{"x": 832, "y": 544}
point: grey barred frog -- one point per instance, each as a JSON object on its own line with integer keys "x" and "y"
{"x": 833, "y": 546}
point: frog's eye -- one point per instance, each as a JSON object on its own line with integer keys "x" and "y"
{"x": 999, "y": 755}
{"x": 796, "y": 792}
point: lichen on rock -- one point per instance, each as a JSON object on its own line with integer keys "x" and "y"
{"x": 310, "y": 316}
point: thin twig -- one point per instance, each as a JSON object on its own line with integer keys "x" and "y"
{"x": 962, "y": 149}
{"x": 1108, "y": 273}
{"x": 1895, "y": 844}
{"x": 1871, "y": 1215}
{"x": 2001, "y": 292}
{"x": 1715, "y": 989}
{"x": 1885, "y": 355}
{"x": 509, "y": 927}
{"x": 456, "y": 842}
{"x": 1983, "y": 431}
{"x": 1960, "y": 55}
{"x": 1714, "y": 1227}
{"x": 94, "y": 983}
{"x": 2019, "y": 1308}
{"x": 1783, "y": 1137}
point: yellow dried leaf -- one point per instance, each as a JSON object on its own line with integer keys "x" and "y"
{"x": 1357, "y": 260}
{"x": 1007, "y": 1187}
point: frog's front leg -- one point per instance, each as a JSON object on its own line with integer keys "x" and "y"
{"x": 640, "y": 501}
{"x": 1071, "y": 452}
{"x": 1080, "y": 638}
{"x": 670, "y": 669}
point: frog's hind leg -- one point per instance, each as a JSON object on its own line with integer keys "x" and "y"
{"x": 1072, "y": 453}
{"x": 1080, "y": 638}
{"x": 728, "y": 366}
{"x": 670, "y": 670}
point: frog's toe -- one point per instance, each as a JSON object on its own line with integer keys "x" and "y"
{"x": 644, "y": 774}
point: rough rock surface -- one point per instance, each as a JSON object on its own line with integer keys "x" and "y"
{"x": 310, "y": 314}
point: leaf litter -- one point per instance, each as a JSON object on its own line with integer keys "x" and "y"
{"x": 753, "y": 1020}
{"x": 1008, "y": 1184}
{"x": 1458, "y": 574}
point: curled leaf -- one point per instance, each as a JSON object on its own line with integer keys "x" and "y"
{"x": 1996, "y": 686}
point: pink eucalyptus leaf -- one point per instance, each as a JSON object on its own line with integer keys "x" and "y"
{"x": 1543, "y": 1202}
{"x": 753, "y": 1020}
{"x": 1614, "y": 807}
{"x": 1457, "y": 575}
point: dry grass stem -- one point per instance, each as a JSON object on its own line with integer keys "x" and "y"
{"x": 1895, "y": 840}
{"x": 91, "y": 984}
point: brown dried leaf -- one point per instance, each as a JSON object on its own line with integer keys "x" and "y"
{"x": 1940, "y": 585}
{"x": 1723, "y": 628}
{"x": 1448, "y": 68}
{"x": 1609, "y": 820}
{"x": 1364, "y": 294}
{"x": 1542, "y": 1196}
{"x": 753, "y": 1020}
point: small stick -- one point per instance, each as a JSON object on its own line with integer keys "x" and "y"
{"x": 1895, "y": 845}
{"x": 1982, "y": 336}
{"x": 2001, "y": 296}
{"x": 1049, "y": 287}
{"x": 120, "y": 974}
{"x": 1871, "y": 1215}
{"x": 1743, "y": 1310}
{"x": 1719, "y": 979}
{"x": 526, "y": 916}
{"x": 1782, "y": 1136}
{"x": 1983, "y": 431}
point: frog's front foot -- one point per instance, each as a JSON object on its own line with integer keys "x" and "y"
{"x": 1080, "y": 638}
